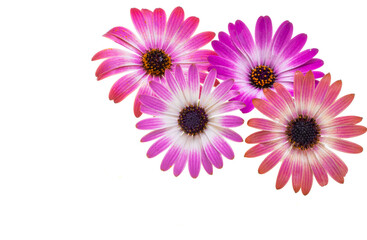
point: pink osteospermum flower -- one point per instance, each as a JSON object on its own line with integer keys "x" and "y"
{"x": 301, "y": 130}
{"x": 160, "y": 46}
{"x": 258, "y": 64}
{"x": 189, "y": 122}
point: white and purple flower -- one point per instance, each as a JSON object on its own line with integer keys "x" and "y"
{"x": 188, "y": 120}
{"x": 258, "y": 64}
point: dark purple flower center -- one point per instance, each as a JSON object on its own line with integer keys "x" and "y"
{"x": 156, "y": 61}
{"x": 262, "y": 77}
{"x": 303, "y": 132}
{"x": 193, "y": 120}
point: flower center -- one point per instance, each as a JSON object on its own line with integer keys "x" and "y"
{"x": 262, "y": 77}
{"x": 303, "y": 132}
{"x": 156, "y": 61}
{"x": 193, "y": 120}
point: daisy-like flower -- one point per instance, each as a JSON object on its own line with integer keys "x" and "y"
{"x": 257, "y": 65}
{"x": 302, "y": 130}
{"x": 189, "y": 122}
{"x": 160, "y": 46}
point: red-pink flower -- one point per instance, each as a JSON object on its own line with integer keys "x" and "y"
{"x": 302, "y": 129}
{"x": 159, "y": 46}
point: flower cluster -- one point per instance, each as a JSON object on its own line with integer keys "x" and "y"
{"x": 188, "y": 91}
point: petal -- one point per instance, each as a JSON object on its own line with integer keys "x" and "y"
{"x": 267, "y": 109}
{"x": 207, "y": 165}
{"x": 342, "y": 145}
{"x": 331, "y": 94}
{"x": 143, "y": 90}
{"x": 159, "y": 22}
{"x": 285, "y": 170}
{"x": 307, "y": 177}
{"x": 126, "y": 38}
{"x": 320, "y": 93}
{"x": 125, "y": 86}
{"x": 263, "y": 148}
{"x": 171, "y": 156}
{"x": 330, "y": 166}
{"x": 265, "y": 124}
{"x": 273, "y": 158}
{"x": 159, "y": 146}
{"x": 153, "y": 103}
{"x": 173, "y": 24}
{"x": 263, "y": 136}
{"x": 345, "y": 120}
{"x": 154, "y": 135}
{"x": 225, "y": 107}
{"x": 297, "y": 171}
{"x": 219, "y": 92}
{"x": 180, "y": 163}
{"x": 115, "y": 63}
{"x": 212, "y": 154}
{"x": 150, "y": 123}
{"x": 208, "y": 86}
{"x": 295, "y": 45}
{"x": 278, "y": 102}
{"x": 263, "y": 32}
{"x": 196, "y": 42}
{"x": 284, "y": 93}
{"x": 347, "y": 131}
{"x": 337, "y": 107}
{"x": 193, "y": 84}
{"x": 194, "y": 161}
{"x": 230, "y": 134}
{"x": 282, "y": 37}
{"x": 317, "y": 169}
{"x": 243, "y": 38}
{"x": 227, "y": 121}
{"x": 183, "y": 34}
{"x": 141, "y": 26}
{"x": 162, "y": 92}
{"x": 107, "y": 53}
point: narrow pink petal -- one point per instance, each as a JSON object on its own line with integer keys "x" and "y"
{"x": 226, "y": 52}
{"x": 173, "y": 24}
{"x": 263, "y": 32}
{"x": 346, "y": 131}
{"x": 184, "y": 33}
{"x": 307, "y": 177}
{"x": 265, "y": 124}
{"x": 154, "y": 135}
{"x": 221, "y": 90}
{"x": 193, "y": 83}
{"x": 263, "y": 148}
{"x": 317, "y": 169}
{"x": 196, "y": 42}
{"x": 273, "y": 158}
{"x": 298, "y": 85}
{"x": 159, "y": 22}
{"x": 161, "y": 91}
{"x": 113, "y": 63}
{"x": 125, "y": 86}
{"x": 159, "y": 146}
{"x": 320, "y": 93}
{"x": 107, "y": 53}
{"x": 226, "y": 107}
{"x": 146, "y": 110}
{"x": 342, "y": 145}
{"x": 331, "y": 94}
{"x": 140, "y": 25}
{"x": 172, "y": 83}
{"x": 284, "y": 93}
{"x": 263, "y": 136}
{"x": 297, "y": 171}
{"x": 278, "y": 102}
{"x": 207, "y": 165}
{"x": 171, "y": 156}
{"x": 223, "y": 147}
{"x": 337, "y": 107}
{"x": 180, "y": 78}
{"x": 343, "y": 169}
{"x": 227, "y": 121}
{"x": 213, "y": 155}
{"x": 308, "y": 91}
{"x": 242, "y": 36}
{"x": 230, "y": 134}
{"x": 148, "y": 19}
{"x": 295, "y": 45}
{"x": 267, "y": 109}
{"x": 282, "y": 37}
{"x": 330, "y": 166}
{"x": 153, "y": 103}
{"x": 126, "y": 38}
{"x": 150, "y": 123}
{"x": 143, "y": 90}
{"x": 285, "y": 171}
{"x": 194, "y": 162}
{"x": 180, "y": 163}
{"x": 345, "y": 120}
{"x": 208, "y": 85}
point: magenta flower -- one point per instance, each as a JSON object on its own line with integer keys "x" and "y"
{"x": 160, "y": 46}
{"x": 189, "y": 121}
{"x": 257, "y": 65}
{"x": 301, "y": 129}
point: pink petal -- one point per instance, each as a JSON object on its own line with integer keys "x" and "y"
{"x": 337, "y": 107}
{"x": 227, "y": 121}
{"x": 125, "y": 86}
{"x": 148, "y": 19}
{"x": 159, "y": 146}
{"x": 107, "y": 53}
{"x": 171, "y": 156}
{"x": 263, "y": 32}
{"x": 197, "y": 57}
{"x": 194, "y": 162}
{"x": 298, "y": 85}
{"x": 263, "y": 136}
{"x": 141, "y": 26}
{"x": 331, "y": 94}
{"x": 273, "y": 158}
{"x": 308, "y": 91}
{"x": 208, "y": 85}
{"x": 307, "y": 177}
{"x": 342, "y": 145}
{"x": 343, "y": 169}
{"x": 161, "y": 91}
{"x": 174, "y": 22}
{"x": 230, "y": 134}
{"x": 180, "y": 163}
{"x": 143, "y": 90}
{"x": 317, "y": 169}
{"x": 150, "y": 123}
{"x": 277, "y": 102}
{"x": 153, "y": 103}
{"x": 285, "y": 171}
{"x": 347, "y": 131}
{"x": 320, "y": 93}
{"x": 184, "y": 33}
{"x": 213, "y": 155}
{"x": 346, "y": 120}
{"x": 159, "y": 24}
{"x": 242, "y": 36}
{"x": 284, "y": 93}
{"x": 263, "y": 148}
{"x": 297, "y": 171}
{"x": 267, "y": 109}
{"x": 330, "y": 166}
{"x": 282, "y": 37}
{"x": 295, "y": 45}
{"x": 114, "y": 63}
{"x": 180, "y": 78}
{"x": 154, "y": 135}
{"x": 265, "y": 124}
{"x": 193, "y": 83}
{"x": 226, "y": 107}
{"x": 196, "y": 42}
{"x": 126, "y": 38}
{"x": 208, "y": 166}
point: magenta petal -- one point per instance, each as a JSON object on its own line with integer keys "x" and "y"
{"x": 126, "y": 38}
{"x": 285, "y": 171}
{"x": 150, "y": 123}
{"x": 154, "y": 135}
{"x": 161, "y": 91}
{"x": 263, "y": 32}
{"x": 230, "y": 134}
{"x": 228, "y": 121}
{"x": 173, "y": 24}
{"x": 194, "y": 163}
{"x": 143, "y": 90}
{"x": 180, "y": 163}
{"x": 196, "y": 42}
{"x": 140, "y": 25}
{"x": 243, "y": 37}
{"x": 153, "y": 103}
{"x": 159, "y": 146}
{"x": 207, "y": 165}
{"x": 107, "y": 53}
{"x": 282, "y": 37}
{"x": 213, "y": 155}
{"x": 223, "y": 147}
{"x": 159, "y": 25}
{"x": 114, "y": 63}
{"x": 171, "y": 156}
{"x": 125, "y": 86}
{"x": 295, "y": 45}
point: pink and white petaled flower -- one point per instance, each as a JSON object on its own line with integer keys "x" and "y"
{"x": 256, "y": 63}
{"x": 161, "y": 45}
{"x": 189, "y": 121}
{"x": 301, "y": 130}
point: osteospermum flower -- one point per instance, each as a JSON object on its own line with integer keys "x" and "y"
{"x": 160, "y": 46}
{"x": 189, "y": 121}
{"x": 257, "y": 65}
{"x": 302, "y": 130}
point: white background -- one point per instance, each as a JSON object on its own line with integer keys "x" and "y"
{"x": 72, "y": 165}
